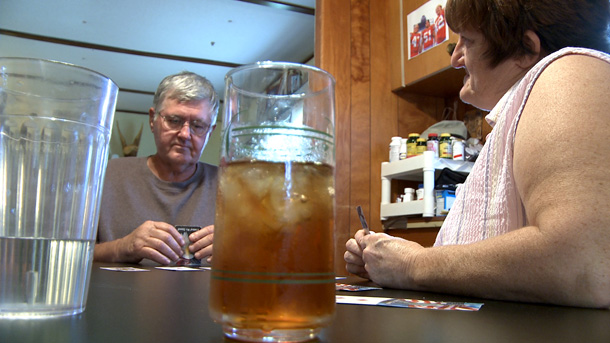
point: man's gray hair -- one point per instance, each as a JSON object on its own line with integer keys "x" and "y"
{"x": 185, "y": 87}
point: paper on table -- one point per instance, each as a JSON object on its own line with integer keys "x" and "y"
{"x": 357, "y": 300}
{"x": 181, "y": 268}
{"x": 408, "y": 303}
{"x": 125, "y": 269}
{"x": 354, "y": 288}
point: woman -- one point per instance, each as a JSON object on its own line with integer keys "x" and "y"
{"x": 530, "y": 222}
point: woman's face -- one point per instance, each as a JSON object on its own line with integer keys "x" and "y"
{"x": 483, "y": 86}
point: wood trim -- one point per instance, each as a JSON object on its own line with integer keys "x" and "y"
{"x": 353, "y": 44}
{"x": 384, "y": 104}
{"x": 108, "y": 48}
{"x": 131, "y": 111}
{"x": 360, "y": 79}
{"x": 136, "y": 91}
{"x": 332, "y": 51}
{"x": 396, "y": 42}
{"x": 283, "y": 6}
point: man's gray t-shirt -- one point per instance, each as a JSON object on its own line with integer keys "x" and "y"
{"x": 132, "y": 194}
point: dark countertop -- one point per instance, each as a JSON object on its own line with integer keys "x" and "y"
{"x": 169, "y": 306}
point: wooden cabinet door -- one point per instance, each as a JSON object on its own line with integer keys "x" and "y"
{"x": 430, "y": 72}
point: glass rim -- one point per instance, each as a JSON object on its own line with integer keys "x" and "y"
{"x": 280, "y": 66}
{"x": 52, "y": 62}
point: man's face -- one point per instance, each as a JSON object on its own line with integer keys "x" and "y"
{"x": 180, "y": 147}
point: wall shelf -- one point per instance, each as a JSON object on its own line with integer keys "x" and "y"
{"x": 418, "y": 168}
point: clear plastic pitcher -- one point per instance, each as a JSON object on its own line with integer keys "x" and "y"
{"x": 272, "y": 267}
{"x": 55, "y": 125}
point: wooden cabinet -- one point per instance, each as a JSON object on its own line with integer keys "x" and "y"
{"x": 430, "y": 73}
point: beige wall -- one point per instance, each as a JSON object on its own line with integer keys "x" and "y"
{"x": 130, "y": 125}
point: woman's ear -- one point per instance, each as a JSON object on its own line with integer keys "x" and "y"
{"x": 532, "y": 41}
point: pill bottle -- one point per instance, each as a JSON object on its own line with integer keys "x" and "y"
{"x": 412, "y": 144}
{"x": 458, "y": 150}
{"x": 421, "y": 146}
{"x": 409, "y": 195}
{"x": 419, "y": 193}
{"x": 395, "y": 149}
{"x": 403, "y": 149}
{"x": 445, "y": 149}
{"x": 432, "y": 143}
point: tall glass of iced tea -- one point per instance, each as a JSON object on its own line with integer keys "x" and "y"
{"x": 272, "y": 268}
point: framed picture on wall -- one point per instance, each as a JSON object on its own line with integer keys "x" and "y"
{"x": 427, "y": 27}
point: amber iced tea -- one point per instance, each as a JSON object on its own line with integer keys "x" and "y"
{"x": 273, "y": 246}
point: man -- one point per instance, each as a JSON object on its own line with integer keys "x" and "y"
{"x": 415, "y": 41}
{"x": 427, "y": 36}
{"x": 439, "y": 24}
{"x": 145, "y": 197}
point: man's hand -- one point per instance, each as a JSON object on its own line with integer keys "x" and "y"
{"x": 157, "y": 241}
{"x": 202, "y": 243}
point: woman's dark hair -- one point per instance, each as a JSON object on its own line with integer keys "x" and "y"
{"x": 558, "y": 23}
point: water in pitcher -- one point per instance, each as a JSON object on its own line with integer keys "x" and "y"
{"x": 43, "y": 276}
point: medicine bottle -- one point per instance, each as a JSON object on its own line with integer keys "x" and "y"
{"x": 445, "y": 149}
{"x": 412, "y": 144}
{"x": 432, "y": 143}
{"x": 403, "y": 149}
{"x": 458, "y": 150}
{"x": 409, "y": 195}
{"x": 395, "y": 149}
{"x": 421, "y": 146}
{"x": 419, "y": 193}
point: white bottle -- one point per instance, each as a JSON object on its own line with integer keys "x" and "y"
{"x": 419, "y": 194}
{"x": 395, "y": 149}
{"x": 409, "y": 195}
{"x": 403, "y": 149}
{"x": 458, "y": 150}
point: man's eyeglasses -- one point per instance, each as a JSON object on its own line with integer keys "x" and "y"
{"x": 175, "y": 123}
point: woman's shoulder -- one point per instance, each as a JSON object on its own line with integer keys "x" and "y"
{"x": 576, "y": 63}
{"x": 570, "y": 72}
{"x": 571, "y": 93}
